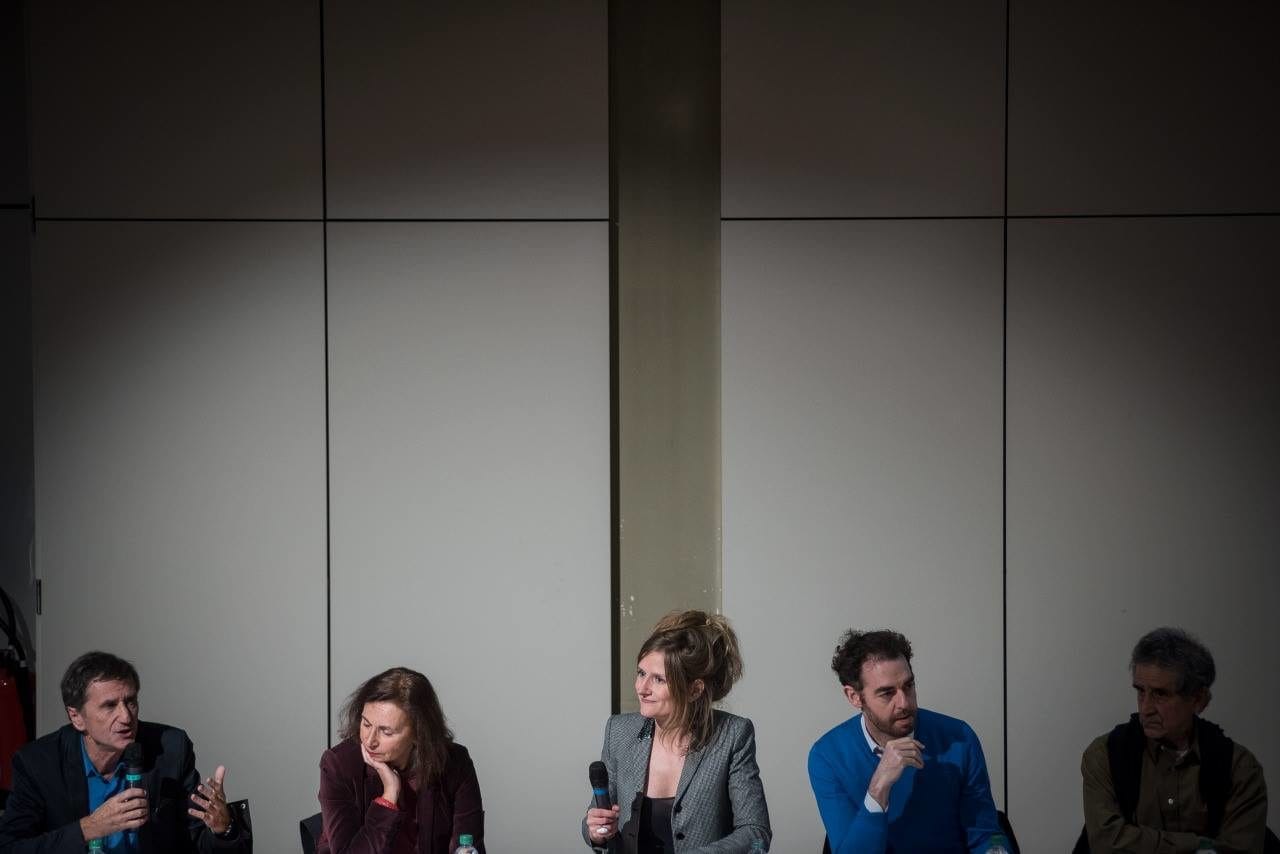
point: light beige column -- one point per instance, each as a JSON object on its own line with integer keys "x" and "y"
{"x": 665, "y": 93}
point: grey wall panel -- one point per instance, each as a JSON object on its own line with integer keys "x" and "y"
{"x": 861, "y": 388}
{"x": 158, "y": 109}
{"x": 862, "y": 109}
{"x": 1144, "y": 482}
{"x": 1144, "y": 107}
{"x": 469, "y": 372}
{"x": 442, "y": 110}
{"x": 180, "y": 487}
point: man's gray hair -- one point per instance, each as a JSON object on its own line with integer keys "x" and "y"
{"x": 1179, "y": 651}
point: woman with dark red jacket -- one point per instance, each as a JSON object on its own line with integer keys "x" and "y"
{"x": 397, "y": 783}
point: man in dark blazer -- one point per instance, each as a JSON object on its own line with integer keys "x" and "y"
{"x": 72, "y": 786}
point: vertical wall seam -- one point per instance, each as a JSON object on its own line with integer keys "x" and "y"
{"x": 1004, "y": 423}
{"x": 615, "y": 496}
{"x": 328, "y": 514}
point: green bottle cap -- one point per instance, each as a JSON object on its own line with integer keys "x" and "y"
{"x": 465, "y": 839}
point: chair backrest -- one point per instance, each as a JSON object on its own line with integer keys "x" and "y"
{"x": 244, "y": 818}
{"x": 310, "y": 829}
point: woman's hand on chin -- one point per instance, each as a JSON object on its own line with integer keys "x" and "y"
{"x": 390, "y": 779}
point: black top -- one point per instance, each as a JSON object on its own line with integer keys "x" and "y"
{"x": 655, "y": 826}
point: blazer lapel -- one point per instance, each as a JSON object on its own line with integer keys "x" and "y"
{"x": 691, "y": 763}
{"x": 151, "y": 783}
{"x": 633, "y": 764}
{"x": 77, "y": 787}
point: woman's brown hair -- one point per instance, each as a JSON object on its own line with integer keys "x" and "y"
{"x": 696, "y": 647}
{"x": 413, "y": 694}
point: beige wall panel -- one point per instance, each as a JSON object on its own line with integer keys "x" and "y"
{"x": 861, "y": 393}
{"x": 452, "y": 109}
{"x": 862, "y": 109}
{"x": 1143, "y": 107}
{"x": 161, "y": 109}
{"x": 180, "y": 487}
{"x": 469, "y": 370}
{"x": 1144, "y": 483}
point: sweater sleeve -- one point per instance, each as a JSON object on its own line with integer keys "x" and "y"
{"x": 352, "y": 827}
{"x": 977, "y": 807}
{"x": 851, "y": 828}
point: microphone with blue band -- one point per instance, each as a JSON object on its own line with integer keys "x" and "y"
{"x": 133, "y": 780}
{"x": 598, "y": 774}
{"x": 599, "y": 777}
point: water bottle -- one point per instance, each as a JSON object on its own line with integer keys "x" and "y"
{"x": 464, "y": 844}
{"x": 95, "y": 846}
{"x": 998, "y": 844}
{"x": 757, "y": 846}
{"x": 1205, "y": 846}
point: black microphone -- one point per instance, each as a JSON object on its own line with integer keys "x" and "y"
{"x": 598, "y": 774}
{"x": 133, "y": 779}
{"x": 133, "y": 766}
{"x": 599, "y": 777}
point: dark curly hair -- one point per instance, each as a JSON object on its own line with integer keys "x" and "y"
{"x": 1179, "y": 651}
{"x": 857, "y": 648}
{"x": 413, "y": 694}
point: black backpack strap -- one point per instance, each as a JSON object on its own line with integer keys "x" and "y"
{"x": 1216, "y": 753}
{"x": 1124, "y": 754}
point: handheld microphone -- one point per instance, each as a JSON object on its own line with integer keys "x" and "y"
{"x": 598, "y": 774}
{"x": 133, "y": 766}
{"x": 133, "y": 779}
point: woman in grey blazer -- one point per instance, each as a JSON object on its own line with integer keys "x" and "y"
{"x": 682, "y": 775}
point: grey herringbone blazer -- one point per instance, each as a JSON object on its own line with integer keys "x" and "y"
{"x": 719, "y": 806}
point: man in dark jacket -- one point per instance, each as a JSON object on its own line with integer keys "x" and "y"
{"x": 73, "y": 785}
{"x": 1168, "y": 778}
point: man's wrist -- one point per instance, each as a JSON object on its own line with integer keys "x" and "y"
{"x": 879, "y": 792}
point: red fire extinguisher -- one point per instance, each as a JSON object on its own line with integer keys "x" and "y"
{"x": 17, "y": 692}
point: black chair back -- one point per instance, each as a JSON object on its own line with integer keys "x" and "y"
{"x": 310, "y": 829}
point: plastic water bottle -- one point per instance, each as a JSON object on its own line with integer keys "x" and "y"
{"x": 757, "y": 846}
{"x": 465, "y": 845}
{"x": 998, "y": 844}
{"x": 95, "y": 846}
{"x": 1205, "y": 846}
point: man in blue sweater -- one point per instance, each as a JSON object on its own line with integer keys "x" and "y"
{"x": 897, "y": 778}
